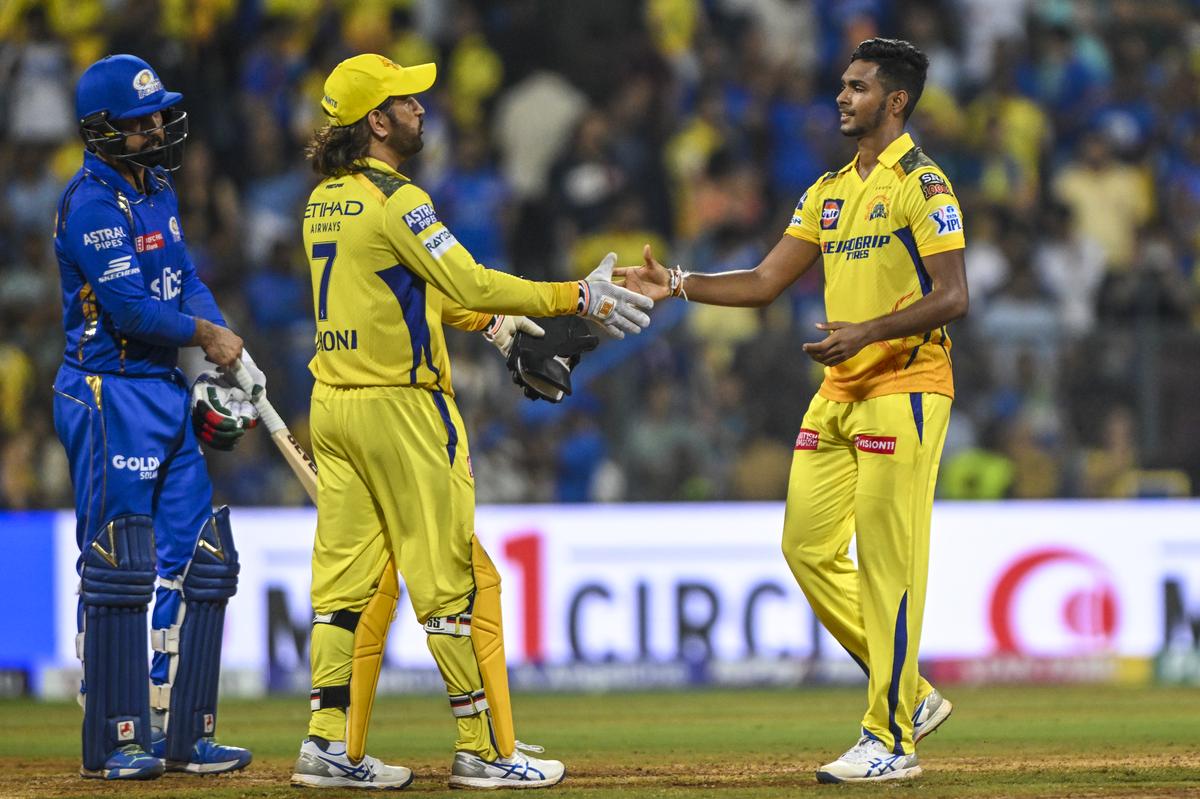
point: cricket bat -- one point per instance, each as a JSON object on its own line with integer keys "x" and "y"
{"x": 302, "y": 465}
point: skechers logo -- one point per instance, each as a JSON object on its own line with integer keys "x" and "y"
{"x": 420, "y": 218}
{"x": 105, "y": 238}
{"x": 880, "y": 445}
{"x": 120, "y": 266}
{"x": 145, "y": 465}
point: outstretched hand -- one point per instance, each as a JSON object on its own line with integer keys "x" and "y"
{"x": 651, "y": 278}
{"x": 844, "y": 341}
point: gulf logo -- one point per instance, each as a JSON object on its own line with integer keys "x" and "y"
{"x": 830, "y": 211}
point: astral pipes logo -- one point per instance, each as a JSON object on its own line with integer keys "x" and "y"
{"x": 1054, "y": 601}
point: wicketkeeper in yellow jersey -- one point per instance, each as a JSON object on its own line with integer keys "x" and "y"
{"x": 395, "y": 487}
{"x": 888, "y": 231}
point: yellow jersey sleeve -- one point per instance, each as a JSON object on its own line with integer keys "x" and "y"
{"x": 805, "y": 222}
{"x": 430, "y": 250}
{"x": 931, "y": 210}
{"x": 455, "y": 315}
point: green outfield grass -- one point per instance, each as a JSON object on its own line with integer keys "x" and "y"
{"x": 1078, "y": 741}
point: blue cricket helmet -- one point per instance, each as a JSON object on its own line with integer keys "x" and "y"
{"x": 123, "y": 85}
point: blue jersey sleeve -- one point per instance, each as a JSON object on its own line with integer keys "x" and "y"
{"x": 98, "y": 239}
{"x": 197, "y": 298}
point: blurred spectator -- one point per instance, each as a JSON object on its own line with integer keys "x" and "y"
{"x": 586, "y": 181}
{"x": 474, "y": 71}
{"x": 979, "y": 471}
{"x": 800, "y": 120}
{"x": 31, "y": 194}
{"x": 987, "y": 265}
{"x": 660, "y": 448}
{"x": 36, "y": 70}
{"x": 1060, "y": 77}
{"x": 1070, "y": 267}
{"x": 1113, "y": 454}
{"x": 1020, "y": 318}
{"x": 474, "y": 201}
{"x": 1109, "y": 200}
{"x": 582, "y": 453}
{"x": 624, "y": 235}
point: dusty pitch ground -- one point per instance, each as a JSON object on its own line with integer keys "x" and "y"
{"x": 1001, "y": 742}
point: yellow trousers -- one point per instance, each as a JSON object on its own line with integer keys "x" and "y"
{"x": 867, "y": 470}
{"x": 394, "y": 485}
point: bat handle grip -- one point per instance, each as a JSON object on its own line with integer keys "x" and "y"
{"x": 266, "y": 412}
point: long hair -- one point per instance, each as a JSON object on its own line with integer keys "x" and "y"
{"x": 334, "y": 149}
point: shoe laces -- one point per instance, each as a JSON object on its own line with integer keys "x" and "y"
{"x": 524, "y": 747}
{"x": 865, "y": 744}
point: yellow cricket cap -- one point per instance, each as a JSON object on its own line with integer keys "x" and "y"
{"x": 360, "y": 83}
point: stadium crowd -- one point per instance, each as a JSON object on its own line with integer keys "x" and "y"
{"x": 561, "y": 129}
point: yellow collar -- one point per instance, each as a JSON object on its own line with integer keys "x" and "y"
{"x": 375, "y": 163}
{"x": 894, "y": 151}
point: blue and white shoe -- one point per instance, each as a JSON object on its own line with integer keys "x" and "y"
{"x": 469, "y": 770}
{"x": 933, "y": 710}
{"x": 208, "y": 757}
{"x": 870, "y": 761}
{"x": 130, "y": 762}
{"x": 325, "y": 764}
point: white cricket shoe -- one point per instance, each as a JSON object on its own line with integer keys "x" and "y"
{"x": 869, "y": 761}
{"x": 324, "y": 764}
{"x": 469, "y": 770}
{"x": 933, "y": 710}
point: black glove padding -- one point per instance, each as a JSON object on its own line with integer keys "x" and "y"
{"x": 542, "y": 366}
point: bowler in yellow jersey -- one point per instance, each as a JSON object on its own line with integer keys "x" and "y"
{"x": 395, "y": 490}
{"x": 888, "y": 232}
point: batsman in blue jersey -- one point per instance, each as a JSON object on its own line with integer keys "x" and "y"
{"x": 130, "y": 422}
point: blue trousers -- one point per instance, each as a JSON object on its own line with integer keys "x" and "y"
{"x": 132, "y": 451}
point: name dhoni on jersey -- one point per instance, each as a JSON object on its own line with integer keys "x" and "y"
{"x": 857, "y": 247}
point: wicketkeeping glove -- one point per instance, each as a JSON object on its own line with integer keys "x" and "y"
{"x": 615, "y": 308}
{"x": 502, "y": 329}
{"x": 221, "y": 411}
{"x": 542, "y": 365}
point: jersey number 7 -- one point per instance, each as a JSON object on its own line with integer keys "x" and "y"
{"x": 328, "y": 251}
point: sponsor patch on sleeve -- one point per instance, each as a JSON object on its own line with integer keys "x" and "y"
{"x": 933, "y": 184}
{"x": 121, "y": 266}
{"x": 440, "y": 243}
{"x": 947, "y": 220}
{"x": 808, "y": 439}
{"x": 796, "y": 220}
{"x": 420, "y": 218}
{"x": 105, "y": 238}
